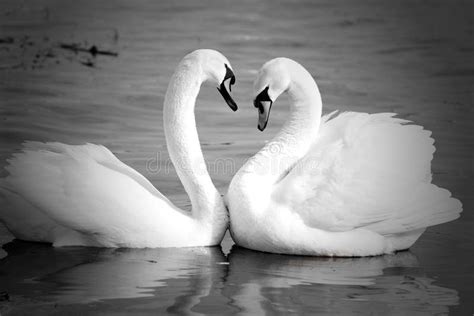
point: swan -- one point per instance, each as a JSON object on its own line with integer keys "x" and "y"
{"x": 85, "y": 196}
{"x": 348, "y": 184}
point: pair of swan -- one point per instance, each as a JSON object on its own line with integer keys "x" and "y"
{"x": 352, "y": 184}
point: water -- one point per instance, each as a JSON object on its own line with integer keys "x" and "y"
{"x": 410, "y": 57}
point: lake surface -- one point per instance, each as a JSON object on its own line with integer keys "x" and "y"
{"x": 409, "y": 57}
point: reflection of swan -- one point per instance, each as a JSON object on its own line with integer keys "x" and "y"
{"x": 261, "y": 282}
{"x": 83, "y": 195}
{"x": 77, "y": 275}
{"x": 357, "y": 185}
{"x": 290, "y": 270}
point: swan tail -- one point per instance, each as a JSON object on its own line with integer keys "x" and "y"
{"x": 24, "y": 219}
{"x": 27, "y": 222}
{"x": 433, "y": 206}
{"x": 404, "y": 152}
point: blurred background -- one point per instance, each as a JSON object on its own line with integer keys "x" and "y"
{"x": 96, "y": 71}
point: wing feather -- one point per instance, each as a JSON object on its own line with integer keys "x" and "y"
{"x": 368, "y": 171}
{"x": 87, "y": 189}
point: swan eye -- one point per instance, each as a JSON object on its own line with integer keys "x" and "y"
{"x": 264, "y": 104}
{"x": 229, "y": 74}
{"x": 262, "y": 96}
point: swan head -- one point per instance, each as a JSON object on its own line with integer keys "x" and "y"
{"x": 272, "y": 80}
{"x": 278, "y": 76}
{"x": 216, "y": 69}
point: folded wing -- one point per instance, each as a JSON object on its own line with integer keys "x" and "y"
{"x": 370, "y": 171}
{"x": 86, "y": 189}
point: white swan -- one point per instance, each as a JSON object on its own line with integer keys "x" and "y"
{"x": 355, "y": 184}
{"x": 84, "y": 195}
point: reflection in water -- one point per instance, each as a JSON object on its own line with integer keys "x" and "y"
{"x": 80, "y": 275}
{"x": 261, "y": 282}
{"x": 199, "y": 280}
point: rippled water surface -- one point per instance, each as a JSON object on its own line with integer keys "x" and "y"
{"x": 410, "y": 57}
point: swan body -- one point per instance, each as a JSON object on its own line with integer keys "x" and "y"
{"x": 85, "y": 196}
{"x": 353, "y": 184}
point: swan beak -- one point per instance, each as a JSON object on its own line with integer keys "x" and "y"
{"x": 264, "y": 108}
{"x": 229, "y": 75}
{"x": 264, "y": 104}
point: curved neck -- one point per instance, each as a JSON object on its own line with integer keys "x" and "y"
{"x": 299, "y": 131}
{"x": 183, "y": 142}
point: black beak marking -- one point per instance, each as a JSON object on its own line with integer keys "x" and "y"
{"x": 263, "y": 97}
{"x": 261, "y": 129}
{"x": 229, "y": 74}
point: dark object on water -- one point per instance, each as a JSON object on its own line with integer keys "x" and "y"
{"x": 4, "y": 296}
{"x": 6, "y": 40}
{"x": 93, "y": 50}
{"x": 88, "y": 63}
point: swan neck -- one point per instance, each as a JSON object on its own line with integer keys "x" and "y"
{"x": 298, "y": 132}
{"x": 183, "y": 142}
